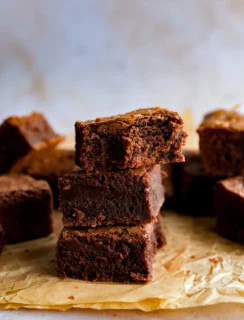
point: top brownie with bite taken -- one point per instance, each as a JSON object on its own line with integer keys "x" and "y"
{"x": 135, "y": 139}
{"x": 21, "y": 135}
{"x": 222, "y": 143}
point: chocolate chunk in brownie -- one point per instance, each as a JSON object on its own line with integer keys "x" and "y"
{"x": 138, "y": 138}
{"x": 48, "y": 164}
{"x": 222, "y": 143}
{"x": 1, "y": 238}
{"x": 229, "y": 206}
{"x": 111, "y": 197}
{"x": 21, "y": 135}
{"x": 118, "y": 253}
{"x": 25, "y": 207}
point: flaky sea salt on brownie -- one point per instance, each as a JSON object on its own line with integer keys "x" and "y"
{"x": 111, "y": 197}
{"x": 1, "y": 238}
{"x": 47, "y": 164}
{"x": 135, "y": 139}
{"x": 25, "y": 207}
{"x": 118, "y": 253}
{"x": 229, "y": 206}
{"x": 21, "y": 135}
{"x": 222, "y": 143}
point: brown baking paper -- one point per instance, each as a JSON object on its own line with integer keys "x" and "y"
{"x": 195, "y": 268}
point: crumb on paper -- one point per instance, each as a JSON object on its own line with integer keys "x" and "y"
{"x": 214, "y": 260}
{"x": 71, "y": 297}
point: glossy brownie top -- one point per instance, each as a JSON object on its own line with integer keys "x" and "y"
{"x": 134, "y": 115}
{"x": 35, "y": 128}
{"x": 223, "y": 119}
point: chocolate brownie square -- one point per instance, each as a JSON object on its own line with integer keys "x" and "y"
{"x": 111, "y": 197}
{"x": 229, "y": 206}
{"x": 194, "y": 188}
{"x": 48, "y": 164}
{"x": 21, "y": 135}
{"x": 135, "y": 139}
{"x": 222, "y": 143}
{"x": 118, "y": 253}
{"x": 25, "y": 207}
{"x": 1, "y": 238}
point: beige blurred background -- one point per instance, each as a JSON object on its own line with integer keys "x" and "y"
{"x": 83, "y": 59}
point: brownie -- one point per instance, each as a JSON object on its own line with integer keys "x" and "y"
{"x": 229, "y": 206}
{"x": 222, "y": 143}
{"x": 101, "y": 198}
{"x": 135, "y": 139}
{"x": 1, "y": 238}
{"x": 168, "y": 170}
{"x": 21, "y": 135}
{"x": 48, "y": 164}
{"x": 25, "y": 207}
{"x": 118, "y": 253}
{"x": 193, "y": 186}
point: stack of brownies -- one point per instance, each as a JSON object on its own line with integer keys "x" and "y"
{"x": 111, "y": 201}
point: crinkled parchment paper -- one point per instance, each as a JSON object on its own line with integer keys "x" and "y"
{"x": 195, "y": 268}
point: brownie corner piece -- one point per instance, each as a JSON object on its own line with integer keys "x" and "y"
{"x": 48, "y": 164}
{"x": 25, "y": 207}
{"x": 229, "y": 206}
{"x": 221, "y": 141}
{"x": 21, "y": 135}
{"x": 99, "y": 198}
{"x": 139, "y": 138}
{"x": 118, "y": 254}
{"x": 2, "y": 238}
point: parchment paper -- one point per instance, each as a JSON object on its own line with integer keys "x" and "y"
{"x": 195, "y": 268}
